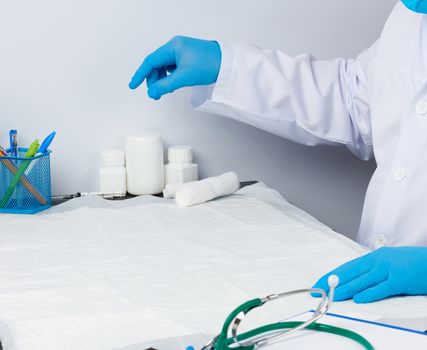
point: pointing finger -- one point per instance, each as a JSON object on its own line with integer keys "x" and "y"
{"x": 162, "y": 57}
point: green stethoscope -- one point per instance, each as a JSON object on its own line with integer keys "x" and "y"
{"x": 263, "y": 335}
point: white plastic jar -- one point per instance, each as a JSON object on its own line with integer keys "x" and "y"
{"x": 144, "y": 164}
{"x": 112, "y": 172}
{"x": 180, "y": 168}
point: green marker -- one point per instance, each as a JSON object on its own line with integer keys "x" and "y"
{"x": 24, "y": 165}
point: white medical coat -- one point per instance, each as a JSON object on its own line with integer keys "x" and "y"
{"x": 375, "y": 104}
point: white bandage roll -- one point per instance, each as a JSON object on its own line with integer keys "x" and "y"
{"x": 202, "y": 191}
{"x": 170, "y": 190}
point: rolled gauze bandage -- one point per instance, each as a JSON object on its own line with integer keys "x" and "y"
{"x": 170, "y": 190}
{"x": 202, "y": 191}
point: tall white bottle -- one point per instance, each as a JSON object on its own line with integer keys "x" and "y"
{"x": 145, "y": 164}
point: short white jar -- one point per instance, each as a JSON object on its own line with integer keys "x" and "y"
{"x": 180, "y": 168}
{"x": 112, "y": 172}
{"x": 144, "y": 164}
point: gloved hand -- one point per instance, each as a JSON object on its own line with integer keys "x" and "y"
{"x": 381, "y": 274}
{"x": 189, "y": 61}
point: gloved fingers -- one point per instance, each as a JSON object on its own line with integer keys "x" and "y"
{"x": 155, "y": 75}
{"x": 348, "y": 290}
{"x": 144, "y": 70}
{"x": 164, "y": 56}
{"x": 380, "y": 291}
{"x": 346, "y": 272}
{"x": 171, "y": 69}
{"x": 168, "y": 84}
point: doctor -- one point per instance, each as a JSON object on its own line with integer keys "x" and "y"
{"x": 376, "y": 105}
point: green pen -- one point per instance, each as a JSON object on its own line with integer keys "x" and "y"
{"x": 15, "y": 180}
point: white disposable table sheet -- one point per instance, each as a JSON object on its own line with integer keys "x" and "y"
{"x": 95, "y": 274}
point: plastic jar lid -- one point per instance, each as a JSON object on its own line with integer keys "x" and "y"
{"x": 144, "y": 143}
{"x": 112, "y": 158}
{"x": 180, "y": 154}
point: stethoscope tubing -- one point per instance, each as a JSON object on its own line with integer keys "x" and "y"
{"x": 257, "y": 337}
{"x": 320, "y": 327}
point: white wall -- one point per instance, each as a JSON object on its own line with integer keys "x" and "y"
{"x": 65, "y": 65}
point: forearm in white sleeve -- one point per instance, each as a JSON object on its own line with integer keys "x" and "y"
{"x": 300, "y": 98}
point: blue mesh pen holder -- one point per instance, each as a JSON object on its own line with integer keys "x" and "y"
{"x": 30, "y": 192}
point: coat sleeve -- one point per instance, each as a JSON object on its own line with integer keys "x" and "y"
{"x": 303, "y": 99}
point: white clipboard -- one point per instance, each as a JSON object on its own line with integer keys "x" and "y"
{"x": 381, "y": 336}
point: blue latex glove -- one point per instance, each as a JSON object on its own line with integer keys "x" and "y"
{"x": 189, "y": 61}
{"x": 381, "y": 274}
{"x": 419, "y": 6}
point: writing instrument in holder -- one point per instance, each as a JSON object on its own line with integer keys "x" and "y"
{"x": 46, "y": 143}
{"x": 32, "y": 150}
{"x": 13, "y": 139}
{"x": 27, "y": 184}
{"x": 43, "y": 149}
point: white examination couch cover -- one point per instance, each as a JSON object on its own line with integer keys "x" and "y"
{"x": 95, "y": 274}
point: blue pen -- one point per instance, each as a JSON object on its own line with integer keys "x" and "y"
{"x": 46, "y": 143}
{"x": 42, "y": 149}
{"x": 13, "y": 137}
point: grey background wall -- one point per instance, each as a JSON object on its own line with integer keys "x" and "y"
{"x": 65, "y": 65}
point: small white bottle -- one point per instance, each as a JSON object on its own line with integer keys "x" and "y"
{"x": 145, "y": 164}
{"x": 112, "y": 173}
{"x": 180, "y": 168}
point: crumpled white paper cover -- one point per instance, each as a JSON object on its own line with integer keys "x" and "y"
{"x": 94, "y": 274}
